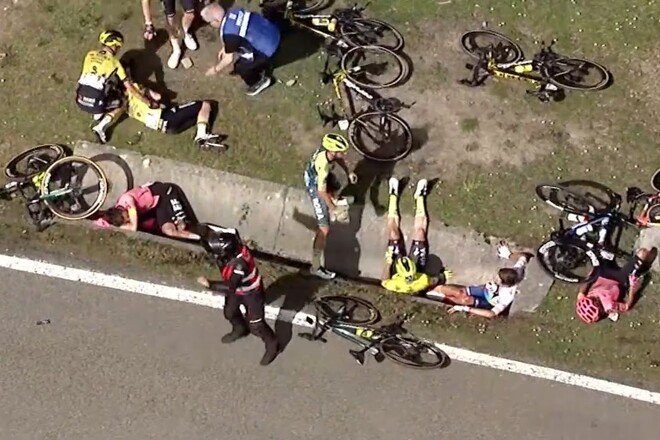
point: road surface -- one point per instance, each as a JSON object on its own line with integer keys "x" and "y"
{"x": 114, "y": 365}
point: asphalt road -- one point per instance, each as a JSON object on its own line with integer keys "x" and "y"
{"x": 113, "y": 365}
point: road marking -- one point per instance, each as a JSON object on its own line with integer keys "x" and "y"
{"x": 115, "y": 282}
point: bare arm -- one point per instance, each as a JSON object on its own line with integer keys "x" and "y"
{"x": 130, "y": 88}
{"x": 224, "y": 60}
{"x": 146, "y": 11}
{"x": 171, "y": 230}
{"x": 327, "y": 198}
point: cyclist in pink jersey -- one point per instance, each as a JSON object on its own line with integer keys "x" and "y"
{"x": 605, "y": 295}
{"x": 154, "y": 207}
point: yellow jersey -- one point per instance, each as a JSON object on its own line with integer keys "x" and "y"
{"x": 98, "y": 67}
{"x": 150, "y": 117}
{"x": 317, "y": 170}
{"x": 398, "y": 284}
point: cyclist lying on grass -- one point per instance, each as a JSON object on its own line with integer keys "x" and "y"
{"x": 170, "y": 119}
{"x": 490, "y": 299}
{"x": 603, "y": 296}
{"x": 404, "y": 273}
{"x": 157, "y": 208}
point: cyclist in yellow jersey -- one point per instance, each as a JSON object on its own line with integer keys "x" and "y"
{"x": 172, "y": 119}
{"x": 333, "y": 150}
{"x": 404, "y": 273}
{"x": 100, "y": 90}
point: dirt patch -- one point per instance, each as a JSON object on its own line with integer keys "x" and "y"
{"x": 472, "y": 126}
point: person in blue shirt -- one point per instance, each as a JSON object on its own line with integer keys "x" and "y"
{"x": 249, "y": 42}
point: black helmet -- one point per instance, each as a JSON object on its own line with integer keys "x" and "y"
{"x": 224, "y": 245}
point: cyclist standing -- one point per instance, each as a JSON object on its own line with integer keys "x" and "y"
{"x": 404, "y": 273}
{"x": 170, "y": 13}
{"x": 100, "y": 89}
{"x": 249, "y": 42}
{"x": 243, "y": 285}
{"x": 332, "y": 150}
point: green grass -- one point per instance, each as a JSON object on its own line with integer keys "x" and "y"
{"x": 609, "y": 136}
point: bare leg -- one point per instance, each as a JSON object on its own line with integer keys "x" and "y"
{"x": 186, "y": 23}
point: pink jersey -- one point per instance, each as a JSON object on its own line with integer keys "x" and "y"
{"x": 608, "y": 292}
{"x": 139, "y": 198}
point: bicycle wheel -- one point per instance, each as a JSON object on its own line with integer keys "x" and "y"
{"x": 565, "y": 200}
{"x": 371, "y": 32}
{"x": 655, "y": 180}
{"x": 575, "y": 74}
{"x": 299, "y": 6}
{"x": 347, "y": 309}
{"x": 31, "y": 162}
{"x": 367, "y": 66}
{"x": 68, "y": 184}
{"x": 505, "y": 49}
{"x": 412, "y": 352}
{"x": 380, "y": 136}
{"x": 568, "y": 261}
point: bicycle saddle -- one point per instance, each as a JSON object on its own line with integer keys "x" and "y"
{"x": 346, "y": 14}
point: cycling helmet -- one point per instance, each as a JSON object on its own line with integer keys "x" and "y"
{"x": 224, "y": 246}
{"x": 406, "y": 268}
{"x": 111, "y": 38}
{"x": 335, "y": 143}
{"x": 587, "y": 310}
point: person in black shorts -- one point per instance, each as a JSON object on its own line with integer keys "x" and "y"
{"x": 157, "y": 208}
{"x": 169, "y": 7}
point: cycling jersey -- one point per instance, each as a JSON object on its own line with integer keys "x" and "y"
{"x": 140, "y": 110}
{"x": 261, "y": 35}
{"x": 244, "y": 266}
{"x": 317, "y": 171}
{"x": 98, "y": 79}
{"x": 398, "y": 283}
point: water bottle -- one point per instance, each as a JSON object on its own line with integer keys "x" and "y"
{"x": 522, "y": 68}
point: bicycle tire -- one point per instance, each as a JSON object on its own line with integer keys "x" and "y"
{"x": 360, "y": 121}
{"x": 545, "y": 259}
{"x": 352, "y": 39}
{"x": 655, "y": 180}
{"x": 352, "y": 72}
{"x": 299, "y": 6}
{"x": 327, "y": 311}
{"x": 546, "y": 72}
{"x": 11, "y": 172}
{"x": 553, "y": 199}
{"x": 474, "y": 51}
{"x": 100, "y": 198}
{"x": 411, "y": 346}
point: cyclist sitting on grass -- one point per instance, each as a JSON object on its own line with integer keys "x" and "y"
{"x": 155, "y": 208}
{"x": 490, "y": 299}
{"x": 99, "y": 89}
{"x": 333, "y": 150}
{"x": 404, "y": 273}
{"x": 170, "y": 119}
{"x": 603, "y": 296}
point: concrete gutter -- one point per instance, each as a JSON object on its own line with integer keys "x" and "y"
{"x": 279, "y": 221}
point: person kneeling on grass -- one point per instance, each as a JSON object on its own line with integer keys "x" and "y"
{"x": 404, "y": 273}
{"x": 156, "y": 208}
{"x": 602, "y": 297}
{"x": 490, "y": 299}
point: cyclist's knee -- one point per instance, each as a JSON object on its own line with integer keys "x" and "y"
{"x": 324, "y": 230}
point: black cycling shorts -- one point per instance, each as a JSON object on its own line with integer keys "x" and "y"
{"x": 170, "y": 207}
{"x": 170, "y": 6}
{"x": 91, "y": 100}
{"x": 419, "y": 252}
{"x": 180, "y": 118}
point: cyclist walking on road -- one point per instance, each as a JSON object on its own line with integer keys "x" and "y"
{"x": 242, "y": 285}
{"x": 333, "y": 150}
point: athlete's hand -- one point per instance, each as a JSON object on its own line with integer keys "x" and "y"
{"x": 503, "y": 251}
{"x": 149, "y": 31}
{"x": 448, "y": 274}
{"x": 455, "y": 309}
{"x": 212, "y": 71}
{"x": 204, "y": 282}
{"x": 353, "y": 178}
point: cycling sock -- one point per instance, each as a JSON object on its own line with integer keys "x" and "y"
{"x": 201, "y": 130}
{"x": 420, "y": 207}
{"x": 393, "y": 206}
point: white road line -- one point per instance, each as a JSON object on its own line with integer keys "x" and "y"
{"x": 303, "y": 319}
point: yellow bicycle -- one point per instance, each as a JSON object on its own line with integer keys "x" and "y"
{"x": 70, "y": 187}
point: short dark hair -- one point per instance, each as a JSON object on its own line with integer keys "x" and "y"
{"x": 114, "y": 216}
{"x": 509, "y": 277}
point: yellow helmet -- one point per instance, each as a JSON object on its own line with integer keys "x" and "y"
{"x": 111, "y": 38}
{"x": 406, "y": 268}
{"x": 335, "y": 143}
